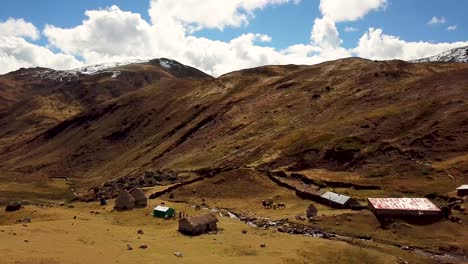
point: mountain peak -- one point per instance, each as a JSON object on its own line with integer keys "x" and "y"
{"x": 454, "y": 55}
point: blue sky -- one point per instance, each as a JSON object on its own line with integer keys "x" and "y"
{"x": 287, "y": 24}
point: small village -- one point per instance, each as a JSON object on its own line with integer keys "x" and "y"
{"x": 417, "y": 210}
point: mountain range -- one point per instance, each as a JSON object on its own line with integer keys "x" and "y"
{"x": 393, "y": 123}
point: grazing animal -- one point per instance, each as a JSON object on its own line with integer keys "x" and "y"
{"x": 281, "y": 205}
{"x": 268, "y": 203}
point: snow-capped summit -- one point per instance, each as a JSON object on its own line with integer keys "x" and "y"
{"x": 112, "y": 70}
{"x": 92, "y": 69}
{"x": 453, "y": 55}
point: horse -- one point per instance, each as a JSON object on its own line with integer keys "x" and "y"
{"x": 267, "y": 203}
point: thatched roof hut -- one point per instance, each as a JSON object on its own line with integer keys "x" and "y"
{"x": 197, "y": 225}
{"x": 124, "y": 201}
{"x": 312, "y": 211}
{"x": 140, "y": 197}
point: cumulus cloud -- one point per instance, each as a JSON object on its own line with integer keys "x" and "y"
{"x": 437, "y": 20}
{"x": 350, "y": 29}
{"x": 18, "y": 28}
{"x": 16, "y": 53}
{"x": 374, "y": 44}
{"x": 112, "y": 34}
{"x": 208, "y": 13}
{"x": 109, "y": 33}
{"x": 349, "y": 10}
{"x": 325, "y": 34}
{"x": 451, "y": 28}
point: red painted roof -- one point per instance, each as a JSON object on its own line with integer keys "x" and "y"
{"x": 416, "y": 204}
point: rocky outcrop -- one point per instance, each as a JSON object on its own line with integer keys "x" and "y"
{"x": 148, "y": 178}
{"x": 13, "y": 206}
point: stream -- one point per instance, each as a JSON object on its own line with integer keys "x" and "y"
{"x": 285, "y": 226}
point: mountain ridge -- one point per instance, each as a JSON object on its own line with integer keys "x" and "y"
{"x": 454, "y": 55}
{"x": 344, "y": 115}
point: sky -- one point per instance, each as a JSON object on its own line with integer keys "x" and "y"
{"x": 222, "y": 36}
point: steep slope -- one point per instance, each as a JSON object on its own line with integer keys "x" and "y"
{"x": 454, "y": 55}
{"x": 383, "y": 120}
{"x": 37, "y": 99}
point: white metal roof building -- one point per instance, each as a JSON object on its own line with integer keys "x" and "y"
{"x": 339, "y": 200}
{"x": 161, "y": 208}
{"x": 462, "y": 190}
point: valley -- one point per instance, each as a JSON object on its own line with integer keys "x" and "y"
{"x": 357, "y": 127}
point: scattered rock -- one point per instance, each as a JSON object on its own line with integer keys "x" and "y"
{"x": 71, "y": 206}
{"x": 26, "y": 241}
{"x": 97, "y": 212}
{"x": 178, "y": 254}
{"x": 13, "y": 206}
{"x": 129, "y": 247}
{"x": 24, "y": 220}
{"x": 402, "y": 261}
{"x": 364, "y": 237}
{"x": 62, "y": 204}
{"x": 300, "y": 218}
{"x": 244, "y": 231}
{"x": 140, "y": 232}
{"x": 409, "y": 248}
{"x": 262, "y": 245}
{"x": 144, "y": 246}
{"x": 25, "y": 202}
{"x": 74, "y": 217}
{"x": 465, "y": 198}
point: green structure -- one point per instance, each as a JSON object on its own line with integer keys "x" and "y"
{"x": 163, "y": 212}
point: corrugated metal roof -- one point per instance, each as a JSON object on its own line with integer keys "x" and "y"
{"x": 335, "y": 197}
{"x": 416, "y": 204}
{"x": 161, "y": 208}
{"x": 463, "y": 187}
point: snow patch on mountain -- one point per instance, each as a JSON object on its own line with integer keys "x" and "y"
{"x": 454, "y": 55}
{"x": 112, "y": 69}
{"x": 165, "y": 64}
{"x": 105, "y": 67}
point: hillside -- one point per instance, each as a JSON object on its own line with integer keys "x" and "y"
{"x": 357, "y": 127}
{"x": 392, "y": 123}
{"x": 33, "y": 100}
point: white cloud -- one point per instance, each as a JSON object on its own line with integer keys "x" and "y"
{"x": 350, "y": 29}
{"x": 374, "y": 44}
{"x": 16, "y": 53}
{"x": 18, "y": 28}
{"x": 195, "y": 14}
{"x": 325, "y": 34}
{"x": 451, "y": 28}
{"x": 112, "y": 35}
{"x": 107, "y": 34}
{"x": 437, "y": 20}
{"x": 349, "y": 10}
